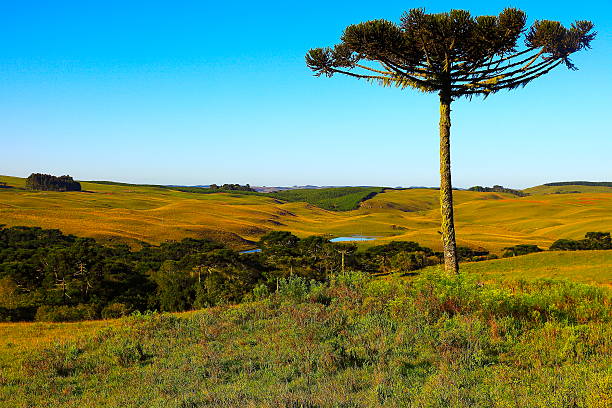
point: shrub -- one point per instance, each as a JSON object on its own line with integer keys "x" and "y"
{"x": 567, "y": 245}
{"x": 261, "y": 291}
{"x": 115, "y": 310}
{"x": 17, "y": 314}
{"x": 598, "y": 240}
{"x": 61, "y": 360}
{"x": 126, "y": 351}
{"x": 65, "y": 313}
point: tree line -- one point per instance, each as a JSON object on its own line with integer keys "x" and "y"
{"x": 231, "y": 187}
{"x": 498, "y": 189}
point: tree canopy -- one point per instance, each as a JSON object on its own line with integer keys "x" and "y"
{"x": 454, "y": 51}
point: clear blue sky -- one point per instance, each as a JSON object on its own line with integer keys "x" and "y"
{"x": 196, "y": 92}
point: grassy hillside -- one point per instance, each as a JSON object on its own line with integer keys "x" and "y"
{"x": 132, "y": 214}
{"x": 590, "y": 267}
{"x": 431, "y": 341}
{"x": 568, "y": 189}
{"x": 335, "y": 199}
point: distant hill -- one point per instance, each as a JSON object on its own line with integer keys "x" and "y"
{"x": 571, "y": 187}
{"x": 334, "y": 199}
{"x": 581, "y": 183}
{"x": 124, "y": 213}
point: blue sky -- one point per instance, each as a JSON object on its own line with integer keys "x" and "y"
{"x": 211, "y": 92}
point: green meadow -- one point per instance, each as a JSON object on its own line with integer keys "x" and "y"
{"x": 354, "y": 341}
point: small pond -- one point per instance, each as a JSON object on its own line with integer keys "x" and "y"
{"x": 353, "y": 238}
{"x": 250, "y": 251}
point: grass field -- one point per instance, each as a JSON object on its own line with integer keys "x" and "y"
{"x": 427, "y": 341}
{"x": 543, "y": 189}
{"x": 590, "y": 267}
{"x": 132, "y": 214}
{"x": 334, "y": 199}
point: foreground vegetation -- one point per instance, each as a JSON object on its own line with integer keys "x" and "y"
{"x": 355, "y": 341}
{"x": 48, "y": 276}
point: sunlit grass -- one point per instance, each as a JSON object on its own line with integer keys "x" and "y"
{"x": 132, "y": 214}
{"x": 430, "y": 341}
{"x": 590, "y": 267}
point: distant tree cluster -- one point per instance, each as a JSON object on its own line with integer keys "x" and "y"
{"x": 47, "y": 182}
{"x": 522, "y": 249}
{"x": 466, "y": 254}
{"x": 498, "y": 189}
{"x": 591, "y": 241}
{"x": 232, "y": 187}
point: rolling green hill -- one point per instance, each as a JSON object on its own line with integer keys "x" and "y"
{"x": 567, "y": 188}
{"x": 334, "y": 199}
{"x": 135, "y": 214}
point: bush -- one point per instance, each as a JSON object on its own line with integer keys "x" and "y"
{"x": 61, "y": 359}
{"x": 296, "y": 288}
{"x": 18, "y": 314}
{"x": 115, "y": 310}
{"x": 567, "y": 245}
{"x": 466, "y": 254}
{"x": 65, "y": 313}
{"x": 126, "y": 351}
{"x": 522, "y": 249}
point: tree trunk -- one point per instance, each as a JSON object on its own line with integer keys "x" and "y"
{"x": 446, "y": 191}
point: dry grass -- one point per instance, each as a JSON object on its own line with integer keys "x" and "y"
{"x": 132, "y": 214}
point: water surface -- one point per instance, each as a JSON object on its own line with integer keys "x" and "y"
{"x": 353, "y": 238}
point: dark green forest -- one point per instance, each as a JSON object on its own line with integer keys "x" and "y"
{"x": 48, "y": 276}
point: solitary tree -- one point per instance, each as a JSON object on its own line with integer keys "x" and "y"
{"x": 456, "y": 55}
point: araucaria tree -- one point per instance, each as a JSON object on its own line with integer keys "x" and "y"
{"x": 455, "y": 55}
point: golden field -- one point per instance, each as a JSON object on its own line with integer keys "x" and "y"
{"x": 588, "y": 267}
{"x": 133, "y": 214}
